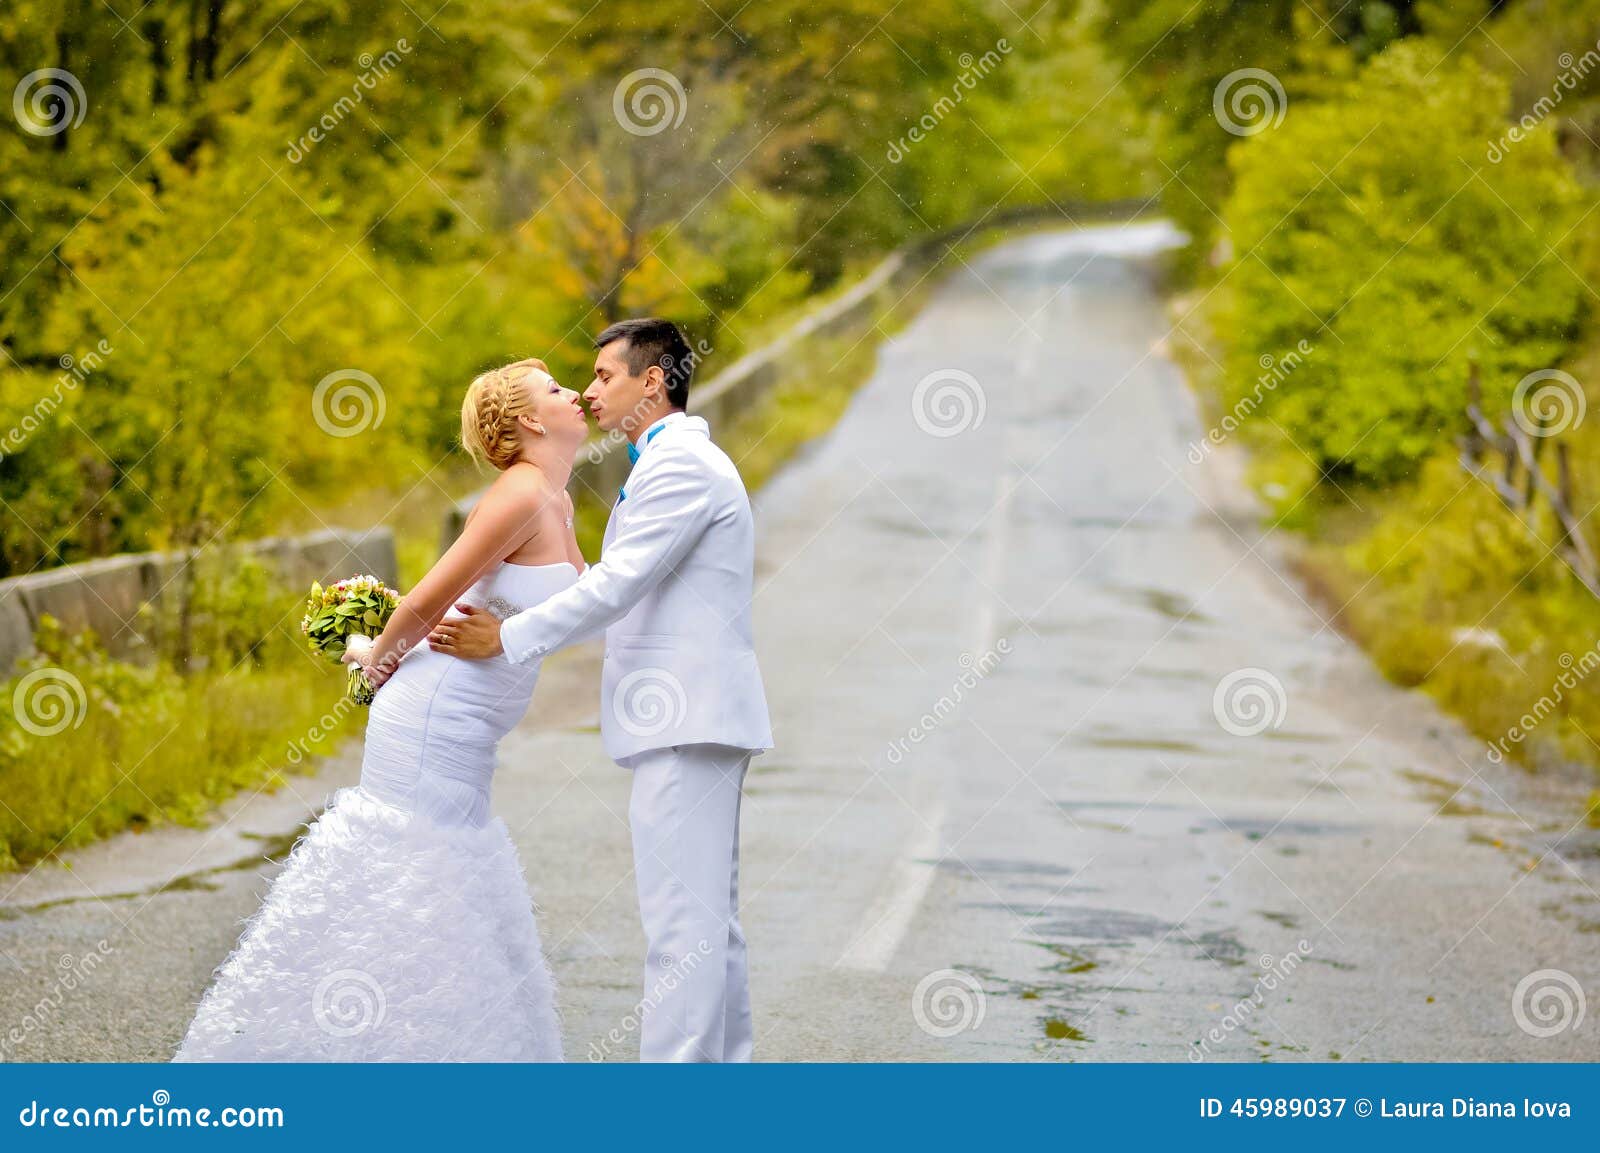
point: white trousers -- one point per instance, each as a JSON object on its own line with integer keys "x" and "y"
{"x": 684, "y": 813}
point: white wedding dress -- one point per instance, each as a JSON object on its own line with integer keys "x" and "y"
{"x": 401, "y": 928}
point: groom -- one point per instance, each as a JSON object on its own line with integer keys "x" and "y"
{"x": 682, "y": 704}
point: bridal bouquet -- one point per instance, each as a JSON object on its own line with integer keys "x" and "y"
{"x": 357, "y": 606}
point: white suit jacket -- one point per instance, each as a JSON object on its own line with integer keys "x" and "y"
{"x": 672, "y": 591}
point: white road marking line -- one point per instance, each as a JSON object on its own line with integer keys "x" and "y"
{"x": 885, "y": 925}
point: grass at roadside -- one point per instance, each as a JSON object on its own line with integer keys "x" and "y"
{"x": 103, "y": 745}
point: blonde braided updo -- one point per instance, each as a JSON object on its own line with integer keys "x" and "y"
{"x": 489, "y": 415}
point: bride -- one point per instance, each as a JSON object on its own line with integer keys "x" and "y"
{"x": 401, "y": 928}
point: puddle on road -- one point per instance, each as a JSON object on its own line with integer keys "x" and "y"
{"x": 1219, "y": 946}
{"x": 1058, "y": 1030}
{"x": 985, "y": 867}
{"x": 1257, "y": 829}
{"x": 1167, "y": 604}
{"x": 1188, "y": 676}
{"x": 1118, "y": 525}
{"x": 1054, "y": 998}
{"x": 1108, "y": 925}
{"x": 1293, "y": 737}
{"x": 1068, "y": 959}
{"x": 1147, "y": 744}
{"x": 1448, "y": 797}
{"x": 1159, "y": 806}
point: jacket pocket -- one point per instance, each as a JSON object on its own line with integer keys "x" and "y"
{"x": 647, "y": 641}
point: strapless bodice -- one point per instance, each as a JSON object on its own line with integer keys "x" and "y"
{"x": 434, "y": 727}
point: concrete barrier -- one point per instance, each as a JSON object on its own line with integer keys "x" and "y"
{"x": 107, "y": 595}
{"x": 746, "y": 382}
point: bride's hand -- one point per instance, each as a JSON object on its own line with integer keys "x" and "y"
{"x": 358, "y": 651}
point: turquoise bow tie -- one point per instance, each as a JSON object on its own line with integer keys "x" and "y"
{"x": 633, "y": 458}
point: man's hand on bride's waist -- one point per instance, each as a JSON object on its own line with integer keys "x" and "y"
{"x": 475, "y": 635}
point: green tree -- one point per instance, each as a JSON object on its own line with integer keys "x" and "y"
{"x": 1371, "y": 226}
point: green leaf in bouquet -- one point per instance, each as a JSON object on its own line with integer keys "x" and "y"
{"x": 371, "y": 618}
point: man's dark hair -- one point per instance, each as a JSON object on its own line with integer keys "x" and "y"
{"x": 652, "y": 340}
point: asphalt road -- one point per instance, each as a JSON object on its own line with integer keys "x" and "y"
{"x": 1000, "y": 613}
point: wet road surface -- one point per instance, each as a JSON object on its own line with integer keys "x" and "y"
{"x": 1067, "y": 768}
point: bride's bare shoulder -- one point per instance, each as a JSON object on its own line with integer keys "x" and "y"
{"x": 521, "y": 485}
